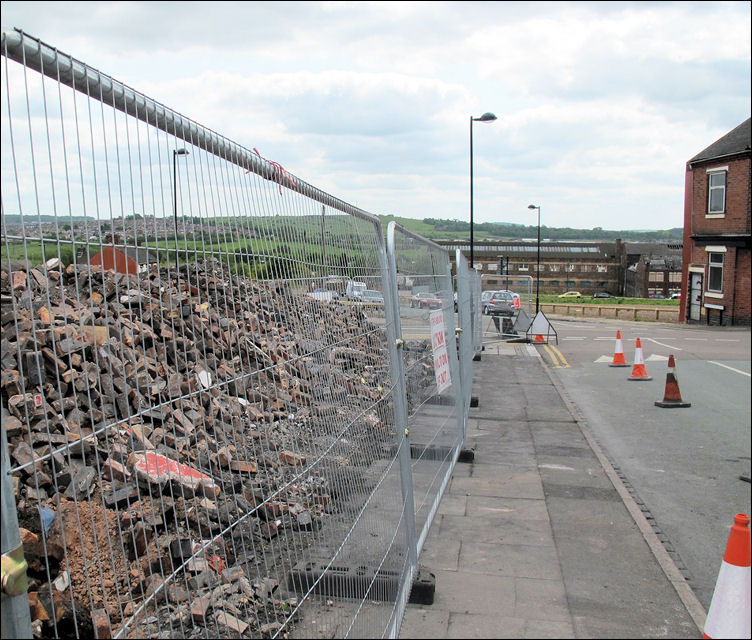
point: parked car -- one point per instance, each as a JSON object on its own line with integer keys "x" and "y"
{"x": 425, "y": 300}
{"x": 571, "y": 294}
{"x": 324, "y": 295}
{"x": 484, "y": 297}
{"x": 371, "y": 295}
{"x": 501, "y": 303}
{"x": 603, "y": 294}
{"x": 675, "y": 296}
{"x": 657, "y": 296}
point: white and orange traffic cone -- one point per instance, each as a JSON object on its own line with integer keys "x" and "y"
{"x": 639, "y": 372}
{"x": 539, "y": 338}
{"x": 672, "y": 396}
{"x": 619, "y": 360}
{"x": 728, "y": 616}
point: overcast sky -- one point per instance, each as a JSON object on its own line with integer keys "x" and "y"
{"x": 600, "y": 105}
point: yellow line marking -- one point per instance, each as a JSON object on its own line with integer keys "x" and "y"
{"x": 560, "y": 362}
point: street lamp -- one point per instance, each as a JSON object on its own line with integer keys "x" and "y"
{"x": 175, "y": 154}
{"x": 537, "y": 268}
{"x": 486, "y": 117}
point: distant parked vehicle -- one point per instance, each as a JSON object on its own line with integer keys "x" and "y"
{"x": 657, "y": 296}
{"x": 484, "y": 297}
{"x": 675, "y": 296}
{"x": 571, "y": 294}
{"x": 603, "y": 294}
{"x": 324, "y": 295}
{"x": 354, "y": 289}
{"x": 371, "y": 295}
{"x": 425, "y": 300}
{"x": 501, "y": 303}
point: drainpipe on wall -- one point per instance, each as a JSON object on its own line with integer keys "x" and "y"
{"x": 686, "y": 245}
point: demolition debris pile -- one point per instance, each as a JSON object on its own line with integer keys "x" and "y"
{"x": 172, "y": 442}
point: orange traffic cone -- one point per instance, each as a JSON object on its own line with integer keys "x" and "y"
{"x": 672, "y": 396}
{"x": 618, "y": 360}
{"x": 639, "y": 372}
{"x": 539, "y": 338}
{"x": 728, "y": 616}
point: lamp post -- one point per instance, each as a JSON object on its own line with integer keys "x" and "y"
{"x": 537, "y": 267}
{"x": 486, "y": 117}
{"x": 175, "y": 154}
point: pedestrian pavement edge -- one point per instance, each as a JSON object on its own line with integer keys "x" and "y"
{"x": 684, "y": 591}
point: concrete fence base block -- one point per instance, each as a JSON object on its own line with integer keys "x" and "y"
{"x": 343, "y": 581}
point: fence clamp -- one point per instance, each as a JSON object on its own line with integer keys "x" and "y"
{"x": 458, "y": 330}
{"x": 399, "y": 342}
{"x": 14, "y": 567}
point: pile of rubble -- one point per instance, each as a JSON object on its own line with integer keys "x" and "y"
{"x": 171, "y": 441}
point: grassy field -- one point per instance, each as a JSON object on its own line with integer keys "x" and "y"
{"x": 585, "y": 299}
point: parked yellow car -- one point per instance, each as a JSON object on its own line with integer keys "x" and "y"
{"x": 571, "y": 294}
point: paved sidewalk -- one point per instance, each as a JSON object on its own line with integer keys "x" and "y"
{"x": 537, "y": 538}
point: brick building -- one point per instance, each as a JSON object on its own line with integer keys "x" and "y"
{"x": 716, "y": 262}
{"x": 653, "y": 269}
{"x": 588, "y": 267}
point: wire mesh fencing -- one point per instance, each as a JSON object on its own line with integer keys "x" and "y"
{"x": 210, "y": 370}
{"x": 431, "y": 369}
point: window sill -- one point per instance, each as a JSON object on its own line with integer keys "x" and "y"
{"x": 710, "y": 294}
{"x": 714, "y": 215}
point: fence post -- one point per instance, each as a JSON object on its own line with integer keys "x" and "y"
{"x": 16, "y": 620}
{"x": 394, "y": 338}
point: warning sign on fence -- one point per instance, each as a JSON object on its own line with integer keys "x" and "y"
{"x": 440, "y": 357}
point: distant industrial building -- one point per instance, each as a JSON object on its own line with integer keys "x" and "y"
{"x": 642, "y": 269}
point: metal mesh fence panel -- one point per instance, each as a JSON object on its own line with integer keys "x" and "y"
{"x": 431, "y": 370}
{"x": 197, "y": 376}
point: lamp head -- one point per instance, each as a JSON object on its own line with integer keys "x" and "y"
{"x": 486, "y": 117}
{"x": 180, "y": 152}
{"x": 532, "y": 206}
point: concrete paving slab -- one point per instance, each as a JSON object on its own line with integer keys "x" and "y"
{"x": 533, "y": 538}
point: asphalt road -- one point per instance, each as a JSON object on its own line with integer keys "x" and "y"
{"x": 684, "y": 464}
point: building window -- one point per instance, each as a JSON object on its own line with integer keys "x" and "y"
{"x": 675, "y": 276}
{"x": 602, "y": 283}
{"x": 586, "y": 283}
{"x": 554, "y": 283}
{"x": 570, "y": 267}
{"x": 522, "y": 267}
{"x": 656, "y": 276}
{"x": 570, "y": 284}
{"x": 717, "y": 192}
{"x": 584, "y": 268}
{"x": 715, "y": 272}
{"x": 553, "y": 267}
{"x": 601, "y": 268}
{"x": 492, "y": 266}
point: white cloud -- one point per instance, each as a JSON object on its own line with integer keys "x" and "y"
{"x": 599, "y": 104}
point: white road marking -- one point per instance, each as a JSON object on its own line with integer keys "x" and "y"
{"x": 655, "y": 357}
{"x": 575, "y": 338}
{"x": 664, "y": 345}
{"x": 697, "y": 339}
{"x": 725, "y": 366}
{"x": 725, "y": 340}
{"x": 604, "y": 359}
{"x": 559, "y": 467}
